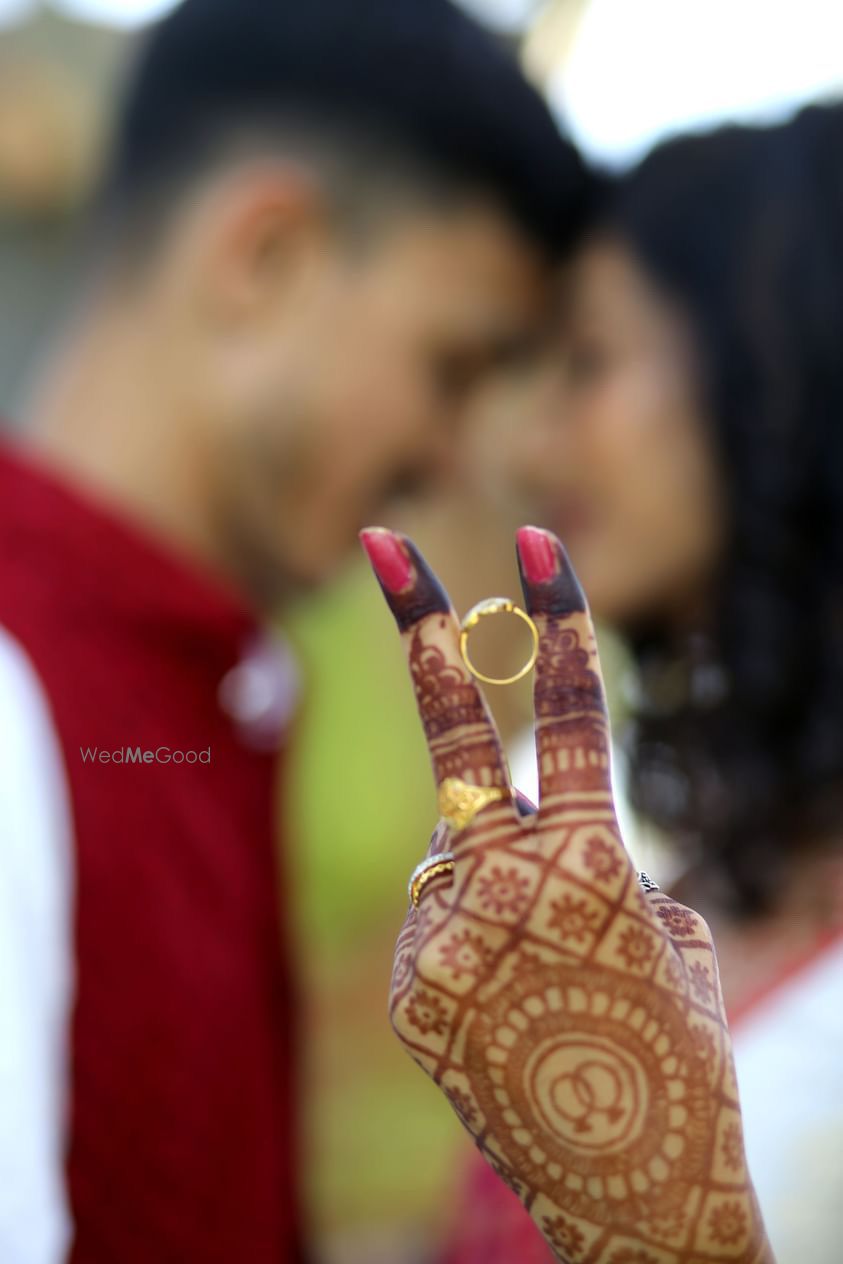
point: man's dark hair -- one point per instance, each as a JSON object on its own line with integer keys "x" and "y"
{"x": 394, "y": 88}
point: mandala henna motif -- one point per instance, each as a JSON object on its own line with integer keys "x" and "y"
{"x": 591, "y": 1086}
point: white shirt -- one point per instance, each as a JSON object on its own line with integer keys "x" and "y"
{"x": 789, "y": 1059}
{"x": 36, "y": 898}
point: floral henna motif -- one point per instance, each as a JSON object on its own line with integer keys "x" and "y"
{"x": 572, "y": 918}
{"x": 564, "y": 1236}
{"x": 679, "y": 922}
{"x": 701, "y": 982}
{"x": 668, "y": 1224}
{"x": 728, "y": 1223}
{"x": 636, "y": 947}
{"x": 503, "y": 891}
{"x": 601, "y": 858}
{"x": 426, "y": 1012}
{"x": 732, "y": 1147}
{"x": 465, "y": 953}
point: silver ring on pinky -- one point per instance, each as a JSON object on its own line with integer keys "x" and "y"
{"x": 646, "y": 883}
{"x": 437, "y": 866}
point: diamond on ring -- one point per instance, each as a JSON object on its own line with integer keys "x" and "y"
{"x": 497, "y": 605}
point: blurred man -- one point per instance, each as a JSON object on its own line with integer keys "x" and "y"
{"x": 322, "y": 225}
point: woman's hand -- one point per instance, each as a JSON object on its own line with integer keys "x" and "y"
{"x": 575, "y": 1024}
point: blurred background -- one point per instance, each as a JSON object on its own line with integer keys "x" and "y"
{"x": 622, "y": 75}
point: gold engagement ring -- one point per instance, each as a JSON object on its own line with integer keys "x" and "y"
{"x": 497, "y": 605}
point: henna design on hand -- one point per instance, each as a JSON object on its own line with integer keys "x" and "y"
{"x": 575, "y": 1025}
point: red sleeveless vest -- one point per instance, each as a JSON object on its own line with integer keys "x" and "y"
{"x": 182, "y": 1132}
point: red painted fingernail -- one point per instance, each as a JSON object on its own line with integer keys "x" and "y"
{"x": 538, "y": 556}
{"x": 388, "y": 557}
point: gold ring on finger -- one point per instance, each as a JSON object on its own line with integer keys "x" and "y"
{"x": 497, "y": 605}
{"x": 459, "y": 802}
{"x": 437, "y": 866}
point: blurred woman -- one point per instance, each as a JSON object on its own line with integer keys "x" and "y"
{"x": 694, "y": 467}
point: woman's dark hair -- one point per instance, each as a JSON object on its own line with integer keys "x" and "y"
{"x": 737, "y": 743}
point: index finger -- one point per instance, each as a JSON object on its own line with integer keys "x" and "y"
{"x": 461, "y": 734}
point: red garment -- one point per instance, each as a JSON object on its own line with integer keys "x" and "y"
{"x": 491, "y": 1225}
{"x": 182, "y": 1120}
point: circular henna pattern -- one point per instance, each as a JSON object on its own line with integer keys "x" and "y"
{"x": 586, "y": 1091}
{"x": 596, "y": 1082}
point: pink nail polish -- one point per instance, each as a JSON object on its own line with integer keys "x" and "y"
{"x": 538, "y": 555}
{"x": 388, "y": 558}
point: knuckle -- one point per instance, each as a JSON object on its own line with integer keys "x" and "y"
{"x": 680, "y": 922}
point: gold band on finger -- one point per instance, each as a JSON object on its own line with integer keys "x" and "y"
{"x": 432, "y": 867}
{"x": 459, "y": 802}
{"x": 497, "y": 605}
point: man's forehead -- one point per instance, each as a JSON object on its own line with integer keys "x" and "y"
{"x": 473, "y": 235}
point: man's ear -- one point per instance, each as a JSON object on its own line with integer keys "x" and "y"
{"x": 254, "y": 230}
